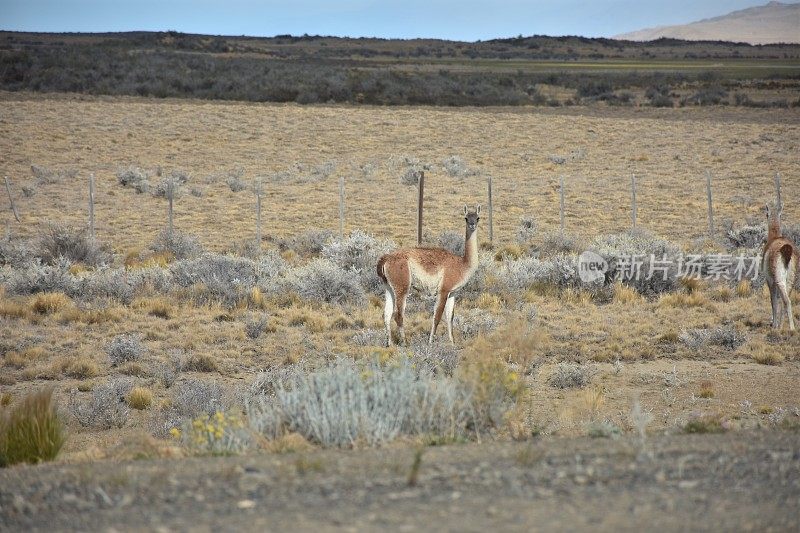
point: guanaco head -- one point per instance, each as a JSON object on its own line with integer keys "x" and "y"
{"x": 773, "y": 221}
{"x": 472, "y": 218}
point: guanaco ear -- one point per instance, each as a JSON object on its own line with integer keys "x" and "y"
{"x": 478, "y": 210}
{"x": 465, "y": 209}
{"x": 766, "y": 209}
{"x": 780, "y": 211}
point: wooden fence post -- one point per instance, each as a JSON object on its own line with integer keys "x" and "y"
{"x": 710, "y": 205}
{"x": 11, "y": 199}
{"x": 91, "y": 206}
{"x": 491, "y": 214}
{"x": 561, "y": 205}
{"x": 420, "y": 196}
{"x": 633, "y": 201}
{"x": 170, "y": 196}
{"x": 341, "y": 207}
{"x": 258, "y": 191}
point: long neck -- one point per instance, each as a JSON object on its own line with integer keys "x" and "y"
{"x": 774, "y": 229}
{"x": 471, "y": 247}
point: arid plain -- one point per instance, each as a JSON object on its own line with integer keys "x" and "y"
{"x": 633, "y": 351}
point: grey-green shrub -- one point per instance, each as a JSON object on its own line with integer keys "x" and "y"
{"x": 569, "y": 375}
{"x": 358, "y": 253}
{"x": 323, "y": 280}
{"x": 343, "y": 404}
{"x": 107, "y": 408}
{"x": 179, "y": 244}
{"x": 125, "y": 348}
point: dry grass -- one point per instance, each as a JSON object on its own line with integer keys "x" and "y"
{"x": 83, "y": 368}
{"x": 744, "y": 289}
{"x": 706, "y": 389}
{"x": 494, "y": 145}
{"x": 46, "y": 303}
{"x": 14, "y": 309}
{"x": 625, "y": 295}
{"x": 24, "y": 358}
{"x": 157, "y": 306}
{"x": 569, "y": 325}
{"x": 31, "y": 431}
{"x": 200, "y": 363}
{"x": 140, "y": 398}
{"x": 685, "y": 300}
{"x": 763, "y": 357}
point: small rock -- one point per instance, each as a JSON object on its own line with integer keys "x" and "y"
{"x": 246, "y": 504}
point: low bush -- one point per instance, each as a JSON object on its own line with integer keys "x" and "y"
{"x": 322, "y": 280}
{"x": 194, "y": 397}
{"x": 107, "y": 408}
{"x": 636, "y": 255}
{"x": 220, "y": 278}
{"x": 254, "y": 327}
{"x": 457, "y": 168}
{"x": 221, "y": 433}
{"x": 452, "y": 242}
{"x": 134, "y": 177}
{"x": 727, "y": 337}
{"x": 57, "y": 241}
{"x": 36, "y": 278}
{"x": 124, "y": 348}
{"x": 31, "y": 431}
{"x": 308, "y": 244}
{"x": 526, "y": 231}
{"x": 180, "y": 245}
{"x": 344, "y": 405}
{"x": 570, "y": 375}
{"x": 358, "y": 254}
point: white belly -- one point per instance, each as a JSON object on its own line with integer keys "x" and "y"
{"x": 420, "y": 277}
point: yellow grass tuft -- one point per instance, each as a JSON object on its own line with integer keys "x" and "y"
{"x": 134, "y": 259}
{"x": 46, "y": 303}
{"x": 744, "y": 288}
{"x": 200, "y": 363}
{"x": 509, "y": 251}
{"x": 691, "y": 284}
{"x": 24, "y": 358}
{"x": 683, "y": 300}
{"x": 288, "y": 443}
{"x": 31, "y": 431}
{"x": 706, "y": 390}
{"x": 12, "y": 309}
{"x": 316, "y": 322}
{"x": 489, "y": 302}
{"x": 256, "y": 299}
{"x": 591, "y": 401}
{"x": 78, "y": 268}
{"x": 157, "y": 306}
{"x": 89, "y": 316}
{"x": 140, "y": 398}
{"x": 763, "y": 357}
{"x": 722, "y": 293}
{"x": 5, "y": 399}
{"x": 82, "y": 369}
{"x": 625, "y": 295}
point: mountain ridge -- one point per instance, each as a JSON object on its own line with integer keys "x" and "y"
{"x": 774, "y": 22}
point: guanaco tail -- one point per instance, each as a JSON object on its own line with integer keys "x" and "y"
{"x": 435, "y": 269}
{"x": 780, "y": 265}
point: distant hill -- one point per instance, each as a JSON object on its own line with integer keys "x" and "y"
{"x": 774, "y": 22}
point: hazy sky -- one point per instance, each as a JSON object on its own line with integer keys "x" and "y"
{"x": 448, "y": 19}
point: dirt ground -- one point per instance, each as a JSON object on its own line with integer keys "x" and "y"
{"x": 743, "y": 481}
